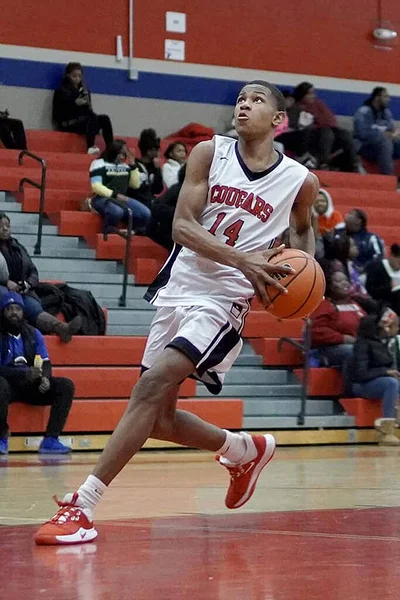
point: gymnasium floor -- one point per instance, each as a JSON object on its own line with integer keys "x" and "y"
{"x": 324, "y": 524}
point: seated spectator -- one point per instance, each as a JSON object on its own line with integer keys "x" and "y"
{"x": 335, "y": 323}
{"x": 339, "y": 254}
{"x": 383, "y": 279}
{"x": 25, "y": 375}
{"x": 162, "y": 213}
{"x": 175, "y": 156}
{"x": 296, "y": 137}
{"x": 332, "y": 145}
{"x": 19, "y": 274}
{"x": 72, "y": 109}
{"x": 328, "y": 217}
{"x": 375, "y": 131}
{"x": 369, "y": 245}
{"x": 111, "y": 177}
{"x": 12, "y": 132}
{"x": 151, "y": 181}
{"x": 375, "y": 372}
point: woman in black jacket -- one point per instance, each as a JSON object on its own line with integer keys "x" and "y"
{"x": 376, "y": 363}
{"x": 19, "y": 274}
{"x": 72, "y": 109}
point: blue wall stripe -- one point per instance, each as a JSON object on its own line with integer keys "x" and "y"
{"x": 183, "y": 88}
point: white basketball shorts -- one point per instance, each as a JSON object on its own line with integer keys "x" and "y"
{"x": 208, "y": 336}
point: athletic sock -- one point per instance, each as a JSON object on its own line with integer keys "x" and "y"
{"x": 90, "y": 492}
{"x": 237, "y": 448}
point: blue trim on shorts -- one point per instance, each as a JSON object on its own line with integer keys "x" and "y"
{"x": 230, "y": 339}
{"x": 187, "y": 348}
{"x": 163, "y": 276}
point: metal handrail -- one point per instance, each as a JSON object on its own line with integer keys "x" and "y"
{"x": 304, "y": 347}
{"x": 128, "y": 237}
{"x": 41, "y": 187}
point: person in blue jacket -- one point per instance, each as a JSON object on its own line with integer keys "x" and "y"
{"x": 375, "y": 130}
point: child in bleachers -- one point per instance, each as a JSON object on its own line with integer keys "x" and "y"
{"x": 176, "y": 157}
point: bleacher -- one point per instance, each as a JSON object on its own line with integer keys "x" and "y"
{"x": 263, "y": 389}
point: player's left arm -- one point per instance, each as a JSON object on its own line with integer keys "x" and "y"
{"x": 302, "y": 234}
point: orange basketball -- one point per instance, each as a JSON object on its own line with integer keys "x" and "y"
{"x": 306, "y": 287}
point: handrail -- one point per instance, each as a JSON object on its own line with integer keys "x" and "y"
{"x": 128, "y": 237}
{"x": 41, "y": 187}
{"x": 304, "y": 347}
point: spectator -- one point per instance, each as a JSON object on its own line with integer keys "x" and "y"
{"x": 328, "y": 217}
{"x": 162, "y": 213}
{"x": 19, "y": 274}
{"x": 72, "y": 109}
{"x": 340, "y": 251}
{"x": 151, "y": 181}
{"x": 335, "y": 322}
{"x": 12, "y": 132}
{"x": 376, "y": 368}
{"x": 331, "y": 145}
{"x": 111, "y": 177}
{"x": 25, "y": 375}
{"x": 383, "y": 279}
{"x": 175, "y": 156}
{"x": 369, "y": 245}
{"x": 375, "y": 130}
{"x": 296, "y": 137}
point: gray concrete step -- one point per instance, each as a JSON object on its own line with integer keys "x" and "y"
{"x": 74, "y": 265}
{"x": 291, "y": 422}
{"x": 53, "y": 251}
{"x": 17, "y": 229}
{"x": 285, "y": 407}
{"x": 84, "y": 280}
{"x": 252, "y": 391}
{"x": 23, "y": 218}
{"x": 9, "y": 207}
{"x": 256, "y": 376}
{"x": 110, "y": 292}
{"x": 130, "y": 317}
{"x": 50, "y": 241}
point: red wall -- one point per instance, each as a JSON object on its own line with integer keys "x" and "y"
{"x": 291, "y": 36}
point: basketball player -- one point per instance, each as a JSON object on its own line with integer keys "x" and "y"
{"x": 237, "y": 198}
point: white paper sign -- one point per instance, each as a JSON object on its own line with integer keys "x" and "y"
{"x": 175, "y": 21}
{"x": 174, "y": 50}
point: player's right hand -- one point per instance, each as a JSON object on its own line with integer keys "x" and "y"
{"x": 260, "y": 272}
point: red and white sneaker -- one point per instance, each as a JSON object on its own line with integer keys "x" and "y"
{"x": 71, "y": 524}
{"x": 244, "y": 477}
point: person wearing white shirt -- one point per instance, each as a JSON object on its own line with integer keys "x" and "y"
{"x": 176, "y": 157}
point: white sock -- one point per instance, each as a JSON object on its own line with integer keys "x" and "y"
{"x": 90, "y": 492}
{"x": 238, "y": 448}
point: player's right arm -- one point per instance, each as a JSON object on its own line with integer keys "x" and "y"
{"x": 188, "y": 232}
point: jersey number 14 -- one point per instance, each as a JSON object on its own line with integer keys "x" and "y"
{"x": 231, "y": 232}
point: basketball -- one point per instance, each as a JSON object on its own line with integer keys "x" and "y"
{"x": 306, "y": 287}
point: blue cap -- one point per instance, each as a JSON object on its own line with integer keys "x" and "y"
{"x": 11, "y": 298}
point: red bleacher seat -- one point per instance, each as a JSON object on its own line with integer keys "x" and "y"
{"x": 322, "y": 382}
{"x": 365, "y": 411}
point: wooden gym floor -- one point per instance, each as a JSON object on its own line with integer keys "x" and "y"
{"x": 324, "y": 524}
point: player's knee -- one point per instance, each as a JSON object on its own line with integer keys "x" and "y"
{"x": 152, "y": 387}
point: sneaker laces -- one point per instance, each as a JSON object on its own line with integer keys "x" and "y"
{"x": 236, "y": 471}
{"x": 67, "y": 511}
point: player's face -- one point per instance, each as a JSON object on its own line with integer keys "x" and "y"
{"x": 255, "y": 111}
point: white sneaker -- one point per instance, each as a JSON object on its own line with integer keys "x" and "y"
{"x": 94, "y": 150}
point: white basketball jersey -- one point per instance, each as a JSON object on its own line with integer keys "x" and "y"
{"x": 245, "y": 210}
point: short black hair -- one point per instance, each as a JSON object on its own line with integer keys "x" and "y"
{"x": 362, "y": 215}
{"x": 3, "y": 215}
{"x": 377, "y": 91}
{"x": 301, "y": 90}
{"x": 148, "y": 141}
{"x": 111, "y": 152}
{"x": 395, "y": 250}
{"x": 276, "y": 93}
